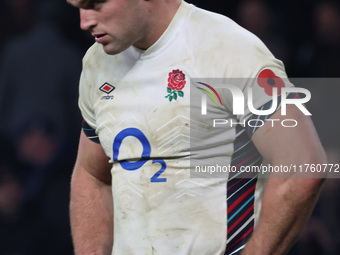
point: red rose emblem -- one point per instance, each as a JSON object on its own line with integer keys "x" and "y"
{"x": 176, "y": 80}
{"x": 268, "y": 80}
{"x": 176, "y": 83}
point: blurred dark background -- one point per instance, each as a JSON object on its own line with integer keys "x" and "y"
{"x": 41, "y": 47}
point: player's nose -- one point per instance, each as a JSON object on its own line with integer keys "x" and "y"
{"x": 87, "y": 19}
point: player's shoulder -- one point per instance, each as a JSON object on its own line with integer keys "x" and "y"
{"x": 213, "y": 28}
{"x": 93, "y": 55}
{"x": 225, "y": 45}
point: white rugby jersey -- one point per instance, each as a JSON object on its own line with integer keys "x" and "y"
{"x": 138, "y": 104}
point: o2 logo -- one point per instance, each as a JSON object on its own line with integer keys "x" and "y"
{"x": 132, "y": 166}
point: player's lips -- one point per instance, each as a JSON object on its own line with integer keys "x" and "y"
{"x": 100, "y": 37}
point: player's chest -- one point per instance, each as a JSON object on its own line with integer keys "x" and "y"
{"x": 154, "y": 104}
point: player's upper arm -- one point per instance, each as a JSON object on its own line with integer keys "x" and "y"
{"x": 289, "y": 145}
{"x": 92, "y": 159}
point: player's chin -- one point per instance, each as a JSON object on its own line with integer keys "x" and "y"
{"x": 113, "y": 49}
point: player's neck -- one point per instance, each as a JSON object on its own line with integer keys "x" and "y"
{"x": 161, "y": 15}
